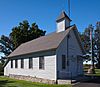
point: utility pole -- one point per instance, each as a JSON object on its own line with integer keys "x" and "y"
{"x": 69, "y": 8}
{"x": 91, "y": 70}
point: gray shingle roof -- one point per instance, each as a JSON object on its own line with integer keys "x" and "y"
{"x": 43, "y": 43}
{"x": 62, "y": 16}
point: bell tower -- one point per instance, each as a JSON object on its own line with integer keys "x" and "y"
{"x": 63, "y": 21}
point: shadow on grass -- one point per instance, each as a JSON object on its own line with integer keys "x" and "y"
{"x": 3, "y": 83}
{"x": 92, "y": 79}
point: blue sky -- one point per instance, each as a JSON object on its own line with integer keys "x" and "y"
{"x": 45, "y": 12}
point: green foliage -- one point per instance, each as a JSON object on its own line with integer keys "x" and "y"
{"x": 24, "y": 32}
{"x": 85, "y": 38}
{"x": 7, "y": 82}
{"x": 6, "y": 45}
{"x": 97, "y": 42}
{"x": 1, "y": 69}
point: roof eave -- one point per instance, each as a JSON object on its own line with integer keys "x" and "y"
{"x": 83, "y": 51}
{"x": 58, "y": 20}
{"x": 31, "y": 53}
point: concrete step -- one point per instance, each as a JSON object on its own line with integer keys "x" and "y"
{"x": 65, "y": 81}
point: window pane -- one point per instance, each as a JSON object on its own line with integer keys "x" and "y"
{"x": 22, "y": 63}
{"x": 30, "y": 63}
{"x": 41, "y": 62}
{"x": 63, "y": 62}
{"x": 67, "y": 63}
{"x": 16, "y": 63}
{"x": 11, "y": 63}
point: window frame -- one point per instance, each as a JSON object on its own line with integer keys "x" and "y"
{"x": 12, "y": 64}
{"x": 63, "y": 61}
{"x": 22, "y": 63}
{"x": 16, "y": 63}
{"x": 30, "y": 63}
{"x": 41, "y": 63}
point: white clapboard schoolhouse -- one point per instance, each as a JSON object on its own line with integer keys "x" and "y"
{"x": 48, "y": 58}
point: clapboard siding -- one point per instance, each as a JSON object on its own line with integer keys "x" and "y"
{"x": 48, "y": 73}
{"x": 75, "y": 66}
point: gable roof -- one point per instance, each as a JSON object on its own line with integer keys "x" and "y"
{"x": 79, "y": 39}
{"x": 43, "y": 43}
{"x": 62, "y": 16}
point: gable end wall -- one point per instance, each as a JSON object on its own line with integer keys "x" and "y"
{"x": 73, "y": 50}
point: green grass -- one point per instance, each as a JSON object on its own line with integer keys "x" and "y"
{"x": 8, "y": 82}
{"x": 97, "y": 72}
{"x": 86, "y": 67}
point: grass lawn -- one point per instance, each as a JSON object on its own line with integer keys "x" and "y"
{"x": 97, "y": 73}
{"x": 8, "y": 82}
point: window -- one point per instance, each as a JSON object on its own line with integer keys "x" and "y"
{"x": 22, "y": 63}
{"x": 11, "y": 63}
{"x": 67, "y": 63}
{"x": 63, "y": 62}
{"x": 30, "y": 63}
{"x": 41, "y": 62}
{"x": 16, "y": 63}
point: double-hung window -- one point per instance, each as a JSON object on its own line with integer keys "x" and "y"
{"x": 30, "y": 63}
{"x": 41, "y": 62}
{"x": 63, "y": 62}
{"x": 22, "y": 63}
{"x": 16, "y": 63}
{"x": 11, "y": 63}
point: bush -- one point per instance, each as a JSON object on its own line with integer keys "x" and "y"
{"x": 1, "y": 73}
{"x": 1, "y": 69}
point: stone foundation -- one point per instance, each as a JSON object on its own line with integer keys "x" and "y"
{"x": 33, "y": 79}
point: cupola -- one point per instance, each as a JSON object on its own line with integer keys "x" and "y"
{"x": 63, "y": 21}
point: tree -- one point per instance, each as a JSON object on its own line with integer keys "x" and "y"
{"x": 6, "y": 45}
{"x": 97, "y": 43}
{"x": 24, "y": 32}
{"x": 85, "y": 37}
